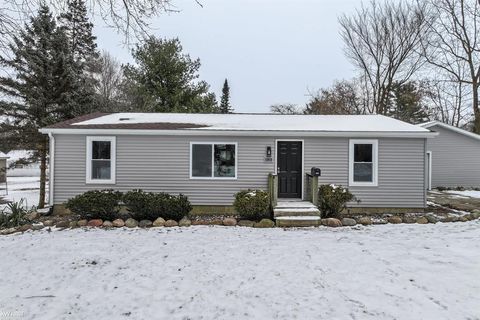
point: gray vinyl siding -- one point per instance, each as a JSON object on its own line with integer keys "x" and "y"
{"x": 455, "y": 159}
{"x": 162, "y": 164}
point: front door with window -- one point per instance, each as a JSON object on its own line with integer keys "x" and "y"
{"x": 289, "y": 169}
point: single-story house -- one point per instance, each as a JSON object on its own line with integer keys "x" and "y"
{"x": 453, "y": 157}
{"x": 3, "y": 167}
{"x": 210, "y": 157}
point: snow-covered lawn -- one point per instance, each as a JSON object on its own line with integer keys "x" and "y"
{"x": 26, "y": 188}
{"x": 378, "y": 272}
{"x": 466, "y": 193}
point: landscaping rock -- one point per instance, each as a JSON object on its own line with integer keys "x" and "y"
{"x": 145, "y": 223}
{"x": 107, "y": 224}
{"x": 348, "y": 222}
{"x": 95, "y": 223}
{"x": 118, "y": 223}
{"x": 48, "y": 223}
{"x": 333, "y": 222}
{"x": 422, "y": 220}
{"x": 475, "y": 214}
{"x": 32, "y": 216}
{"x": 245, "y": 223}
{"x": 379, "y": 221}
{"x": 431, "y": 218}
{"x": 72, "y": 224}
{"x": 171, "y": 223}
{"x": 364, "y": 221}
{"x": 264, "y": 223}
{"x": 8, "y": 231}
{"x": 159, "y": 222}
{"x": 409, "y": 219}
{"x": 231, "y": 222}
{"x": 62, "y": 224}
{"x": 37, "y": 226}
{"x": 131, "y": 223}
{"x": 185, "y": 222}
{"x": 463, "y": 219}
{"x": 24, "y": 228}
{"x": 394, "y": 219}
{"x": 81, "y": 223}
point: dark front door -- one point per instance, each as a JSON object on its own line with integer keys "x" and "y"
{"x": 289, "y": 169}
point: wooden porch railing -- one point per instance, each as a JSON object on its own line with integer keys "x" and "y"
{"x": 311, "y": 188}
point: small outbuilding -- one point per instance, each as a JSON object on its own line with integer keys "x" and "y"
{"x": 3, "y": 167}
{"x": 453, "y": 157}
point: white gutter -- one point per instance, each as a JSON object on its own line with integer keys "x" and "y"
{"x": 51, "y": 167}
{"x": 257, "y": 133}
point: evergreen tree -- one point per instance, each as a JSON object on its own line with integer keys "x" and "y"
{"x": 84, "y": 56}
{"x": 406, "y": 103}
{"x": 164, "y": 79}
{"x": 225, "y": 106}
{"x": 33, "y": 96}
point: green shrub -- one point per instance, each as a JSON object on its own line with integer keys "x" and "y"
{"x": 252, "y": 204}
{"x": 332, "y": 199}
{"x": 149, "y": 205}
{"x": 13, "y": 215}
{"x": 96, "y": 204}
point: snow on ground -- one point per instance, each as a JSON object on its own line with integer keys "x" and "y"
{"x": 30, "y": 170}
{"x": 377, "y": 272}
{"x": 466, "y": 193}
{"x": 21, "y": 188}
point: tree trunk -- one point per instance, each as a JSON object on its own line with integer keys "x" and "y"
{"x": 476, "y": 110}
{"x": 43, "y": 170}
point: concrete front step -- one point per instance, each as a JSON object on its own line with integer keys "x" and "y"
{"x": 297, "y": 221}
{"x": 287, "y": 212}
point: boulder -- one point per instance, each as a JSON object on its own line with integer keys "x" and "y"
{"x": 62, "y": 224}
{"x": 245, "y": 223}
{"x": 48, "y": 223}
{"x": 107, "y": 224}
{"x": 264, "y": 223}
{"x": 394, "y": 219}
{"x": 333, "y": 222}
{"x": 131, "y": 223}
{"x": 72, "y": 224}
{"x": 81, "y": 223}
{"x": 379, "y": 221}
{"x": 145, "y": 223}
{"x": 37, "y": 226}
{"x": 366, "y": 221}
{"x": 475, "y": 214}
{"x": 422, "y": 220}
{"x": 463, "y": 218}
{"x": 24, "y": 227}
{"x": 185, "y": 222}
{"x": 348, "y": 222}
{"x": 171, "y": 223}
{"x": 8, "y": 231}
{"x": 118, "y": 223}
{"x": 159, "y": 222}
{"x": 231, "y": 222}
{"x": 409, "y": 219}
{"x": 31, "y": 216}
{"x": 95, "y": 223}
{"x": 431, "y": 218}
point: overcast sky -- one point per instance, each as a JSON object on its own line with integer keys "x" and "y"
{"x": 271, "y": 51}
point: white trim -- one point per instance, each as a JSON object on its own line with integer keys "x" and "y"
{"x": 213, "y": 143}
{"x": 265, "y": 133}
{"x": 51, "y": 169}
{"x": 429, "y": 182}
{"x": 450, "y": 127}
{"x": 113, "y": 158}
{"x": 374, "y": 144}
{"x": 303, "y": 160}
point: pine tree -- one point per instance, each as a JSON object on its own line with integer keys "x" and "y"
{"x": 406, "y": 103}
{"x": 84, "y": 56}
{"x": 225, "y": 106}
{"x": 33, "y": 96}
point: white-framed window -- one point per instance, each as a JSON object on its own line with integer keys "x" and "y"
{"x": 363, "y": 162}
{"x": 101, "y": 156}
{"x": 213, "y": 160}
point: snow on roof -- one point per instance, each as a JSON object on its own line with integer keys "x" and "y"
{"x": 259, "y": 122}
{"x": 449, "y": 127}
{"x": 3, "y": 155}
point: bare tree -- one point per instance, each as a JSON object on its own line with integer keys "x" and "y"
{"x": 453, "y": 44}
{"x": 109, "y": 82}
{"x": 286, "y": 108}
{"x": 382, "y": 41}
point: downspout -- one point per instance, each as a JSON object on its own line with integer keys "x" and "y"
{"x": 51, "y": 167}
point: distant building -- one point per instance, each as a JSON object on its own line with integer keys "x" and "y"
{"x": 3, "y": 167}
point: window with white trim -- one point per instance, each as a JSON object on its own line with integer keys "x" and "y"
{"x": 213, "y": 160}
{"x": 101, "y": 160}
{"x": 363, "y": 162}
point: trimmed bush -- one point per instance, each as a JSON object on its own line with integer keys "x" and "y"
{"x": 332, "y": 200}
{"x": 150, "y": 206}
{"x": 96, "y": 204}
{"x": 252, "y": 204}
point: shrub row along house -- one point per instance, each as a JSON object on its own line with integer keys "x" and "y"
{"x": 210, "y": 157}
